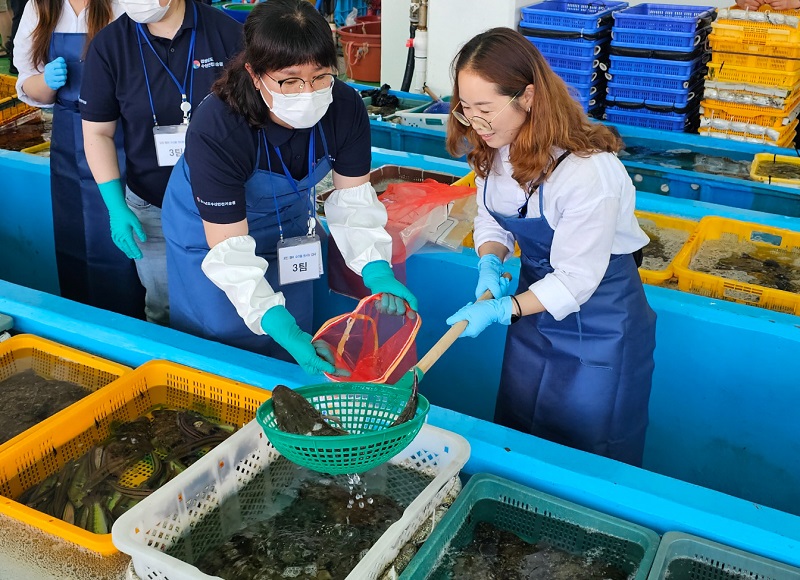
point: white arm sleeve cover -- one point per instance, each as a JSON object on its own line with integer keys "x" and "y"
{"x": 235, "y": 269}
{"x": 357, "y": 221}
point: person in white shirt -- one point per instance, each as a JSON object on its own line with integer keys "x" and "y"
{"x": 48, "y": 52}
{"x": 578, "y": 364}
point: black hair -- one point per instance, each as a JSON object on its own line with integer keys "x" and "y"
{"x": 277, "y": 34}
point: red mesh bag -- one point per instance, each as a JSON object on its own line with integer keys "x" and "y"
{"x": 414, "y": 209}
{"x": 374, "y": 347}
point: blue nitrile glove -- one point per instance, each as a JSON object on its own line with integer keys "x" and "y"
{"x": 123, "y": 221}
{"x": 378, "y": 277}
{"x": 490, "y": 277}
{"x": 55, "y": 73}
{"x": 278, "y": 323}
{"x": 481, "y": 314}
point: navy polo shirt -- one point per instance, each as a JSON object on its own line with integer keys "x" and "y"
{"x": 114, "y": 86}
{"x": 222, "y": 148}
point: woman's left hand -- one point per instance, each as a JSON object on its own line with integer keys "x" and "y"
{"x": 480, "y": 315}
{"x": 784, "y": 4}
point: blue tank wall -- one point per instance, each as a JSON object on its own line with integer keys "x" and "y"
{"x": 723, "y": 412}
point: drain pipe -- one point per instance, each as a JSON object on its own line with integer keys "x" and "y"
{"x": 408, "y": 75}
{"x": 421, "y": 49}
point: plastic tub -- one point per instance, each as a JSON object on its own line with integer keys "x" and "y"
{"x": 238, "y": 11}
{"x": 361, "y": 47}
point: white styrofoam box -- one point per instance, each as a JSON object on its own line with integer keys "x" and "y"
{"x": 160, "y": 520}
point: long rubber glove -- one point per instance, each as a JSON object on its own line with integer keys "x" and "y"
{"x": 480, "y": 315}
{"x": 314, "y": 359}
{"x": 378, "y": 277}
{"x": 490, "y": 277}
{"x": 55, "y": 73}
{"x": 123, "y": 221}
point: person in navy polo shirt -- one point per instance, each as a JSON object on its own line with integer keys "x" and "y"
{"x": 149, "y": 70}
{"x": 239, "y": 212}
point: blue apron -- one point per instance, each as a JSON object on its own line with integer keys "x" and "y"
{"x": 583, "y": 381}
{"x": 197, "y": 306}
{"x": 91, "y": 269}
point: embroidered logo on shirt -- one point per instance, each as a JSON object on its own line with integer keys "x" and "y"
{"x": 206, "y": 63}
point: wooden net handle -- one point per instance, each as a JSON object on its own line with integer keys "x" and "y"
{"x": 438, "y": 349}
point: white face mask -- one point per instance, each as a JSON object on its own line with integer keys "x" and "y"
{"x": 300, "y": 111}
{"x": 145, "y": 11}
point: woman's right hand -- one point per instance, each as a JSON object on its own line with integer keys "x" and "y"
{"x": 55, "y": 73}
{"x": 750, "y": 4}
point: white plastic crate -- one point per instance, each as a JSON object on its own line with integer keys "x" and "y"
{"x": 158, "y": 522}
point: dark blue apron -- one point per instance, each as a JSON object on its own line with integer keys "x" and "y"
{"x": 91, "y": 269}
{"x": 583, "y": 381}
{"x": 197, "y": 306}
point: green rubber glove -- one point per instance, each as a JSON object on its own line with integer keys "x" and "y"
{"x": 123, "y": 221}
{"x": 314, "y": 359}
{"x": 378, "y": 277}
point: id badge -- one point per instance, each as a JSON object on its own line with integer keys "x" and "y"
{"x": 299, "y": 259}
{"x": 170, "y": 142}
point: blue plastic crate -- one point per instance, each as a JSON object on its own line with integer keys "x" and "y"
{"x": 595, "y": 90}
{"x": 664, "y": 17}
{"x": 535, "y": 517}
{"x": 652, "y": 66}
{"x": 587, "y": 15}
{"x": 639, "y": 80}
{"x": 656, "y": 97}
{"x": 572, "y": 63}
{"x": 673, "y": 41}
{"x": 650, "y": 119}
{"x": 579, "y": 77}
{"x": 583, "y": 49}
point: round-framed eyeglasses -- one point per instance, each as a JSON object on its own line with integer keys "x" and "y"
{"x": 293, "y": 86}
{"x": 476, "y": 122}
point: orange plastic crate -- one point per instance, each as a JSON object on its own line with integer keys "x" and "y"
{"x": 72, "y": 433}
{"x": 714, "y": 228}
{"x": 775, "y": 50}
{"x": 11, "y": 108}
{"x": 750, "y": 114}
{"x": 786, "y": 65}
{"x": 663, "y": 222}
{"x": 785, "y": 138}
{"x": 750, "y": 32}
{"x": 50, "y": 359}
{"x": 753, "y": 76}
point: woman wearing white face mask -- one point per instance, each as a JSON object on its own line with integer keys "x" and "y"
{"x": 239, "y": 212}
{"x": 149, "y": 71}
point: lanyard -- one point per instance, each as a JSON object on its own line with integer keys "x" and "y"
{"x": 312, "y": 190}
{"x": 186, "y": 104}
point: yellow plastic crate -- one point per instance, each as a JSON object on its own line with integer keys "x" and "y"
{"x": 469, "y": 242}
{"x": 774, "y": 50}
{"x": 71, "y": 434}
{"x": 11, "y": 108}
{"x": 750, "y": 114}
{"x": 52, "y": 360}
{"x": 769, "y": 63}
{"x": 468, "y": 180}
{"x": 771, "y": 157}
{"x": 753, "y": 76}
{"x": 785, "y": 138}
{"x": 713, "y": 228}
{"x": 749, "y": 32}
{"x": 663, "y": 222}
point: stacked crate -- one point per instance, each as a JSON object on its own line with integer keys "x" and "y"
{"x": 658, "y": 56}
{"x": 752, "y": 90}
{"x": 573, "y": 36}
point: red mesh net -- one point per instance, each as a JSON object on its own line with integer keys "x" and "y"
{"x": 374, "y": 347}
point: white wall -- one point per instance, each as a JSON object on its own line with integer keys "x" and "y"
{"x": 451, "y": 23}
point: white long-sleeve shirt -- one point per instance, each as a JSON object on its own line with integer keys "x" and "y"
{"x": 69, "y": 22}
{"x": 588, "y": 202}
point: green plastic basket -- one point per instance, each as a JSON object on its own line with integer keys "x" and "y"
{"x": 685, "y": 557}
{"x": 365, "y": 410}
{"x": 535, "y": 517}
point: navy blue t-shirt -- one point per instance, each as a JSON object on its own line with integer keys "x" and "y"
{"x": 221, "y": 150}
{"x": 114, "y": 87}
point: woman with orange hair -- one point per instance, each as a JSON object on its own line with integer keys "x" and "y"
{"x": 578, "y": 362}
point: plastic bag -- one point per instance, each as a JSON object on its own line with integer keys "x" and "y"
{"x": 374, "y": 347}
{"x": 351, "y": 18}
